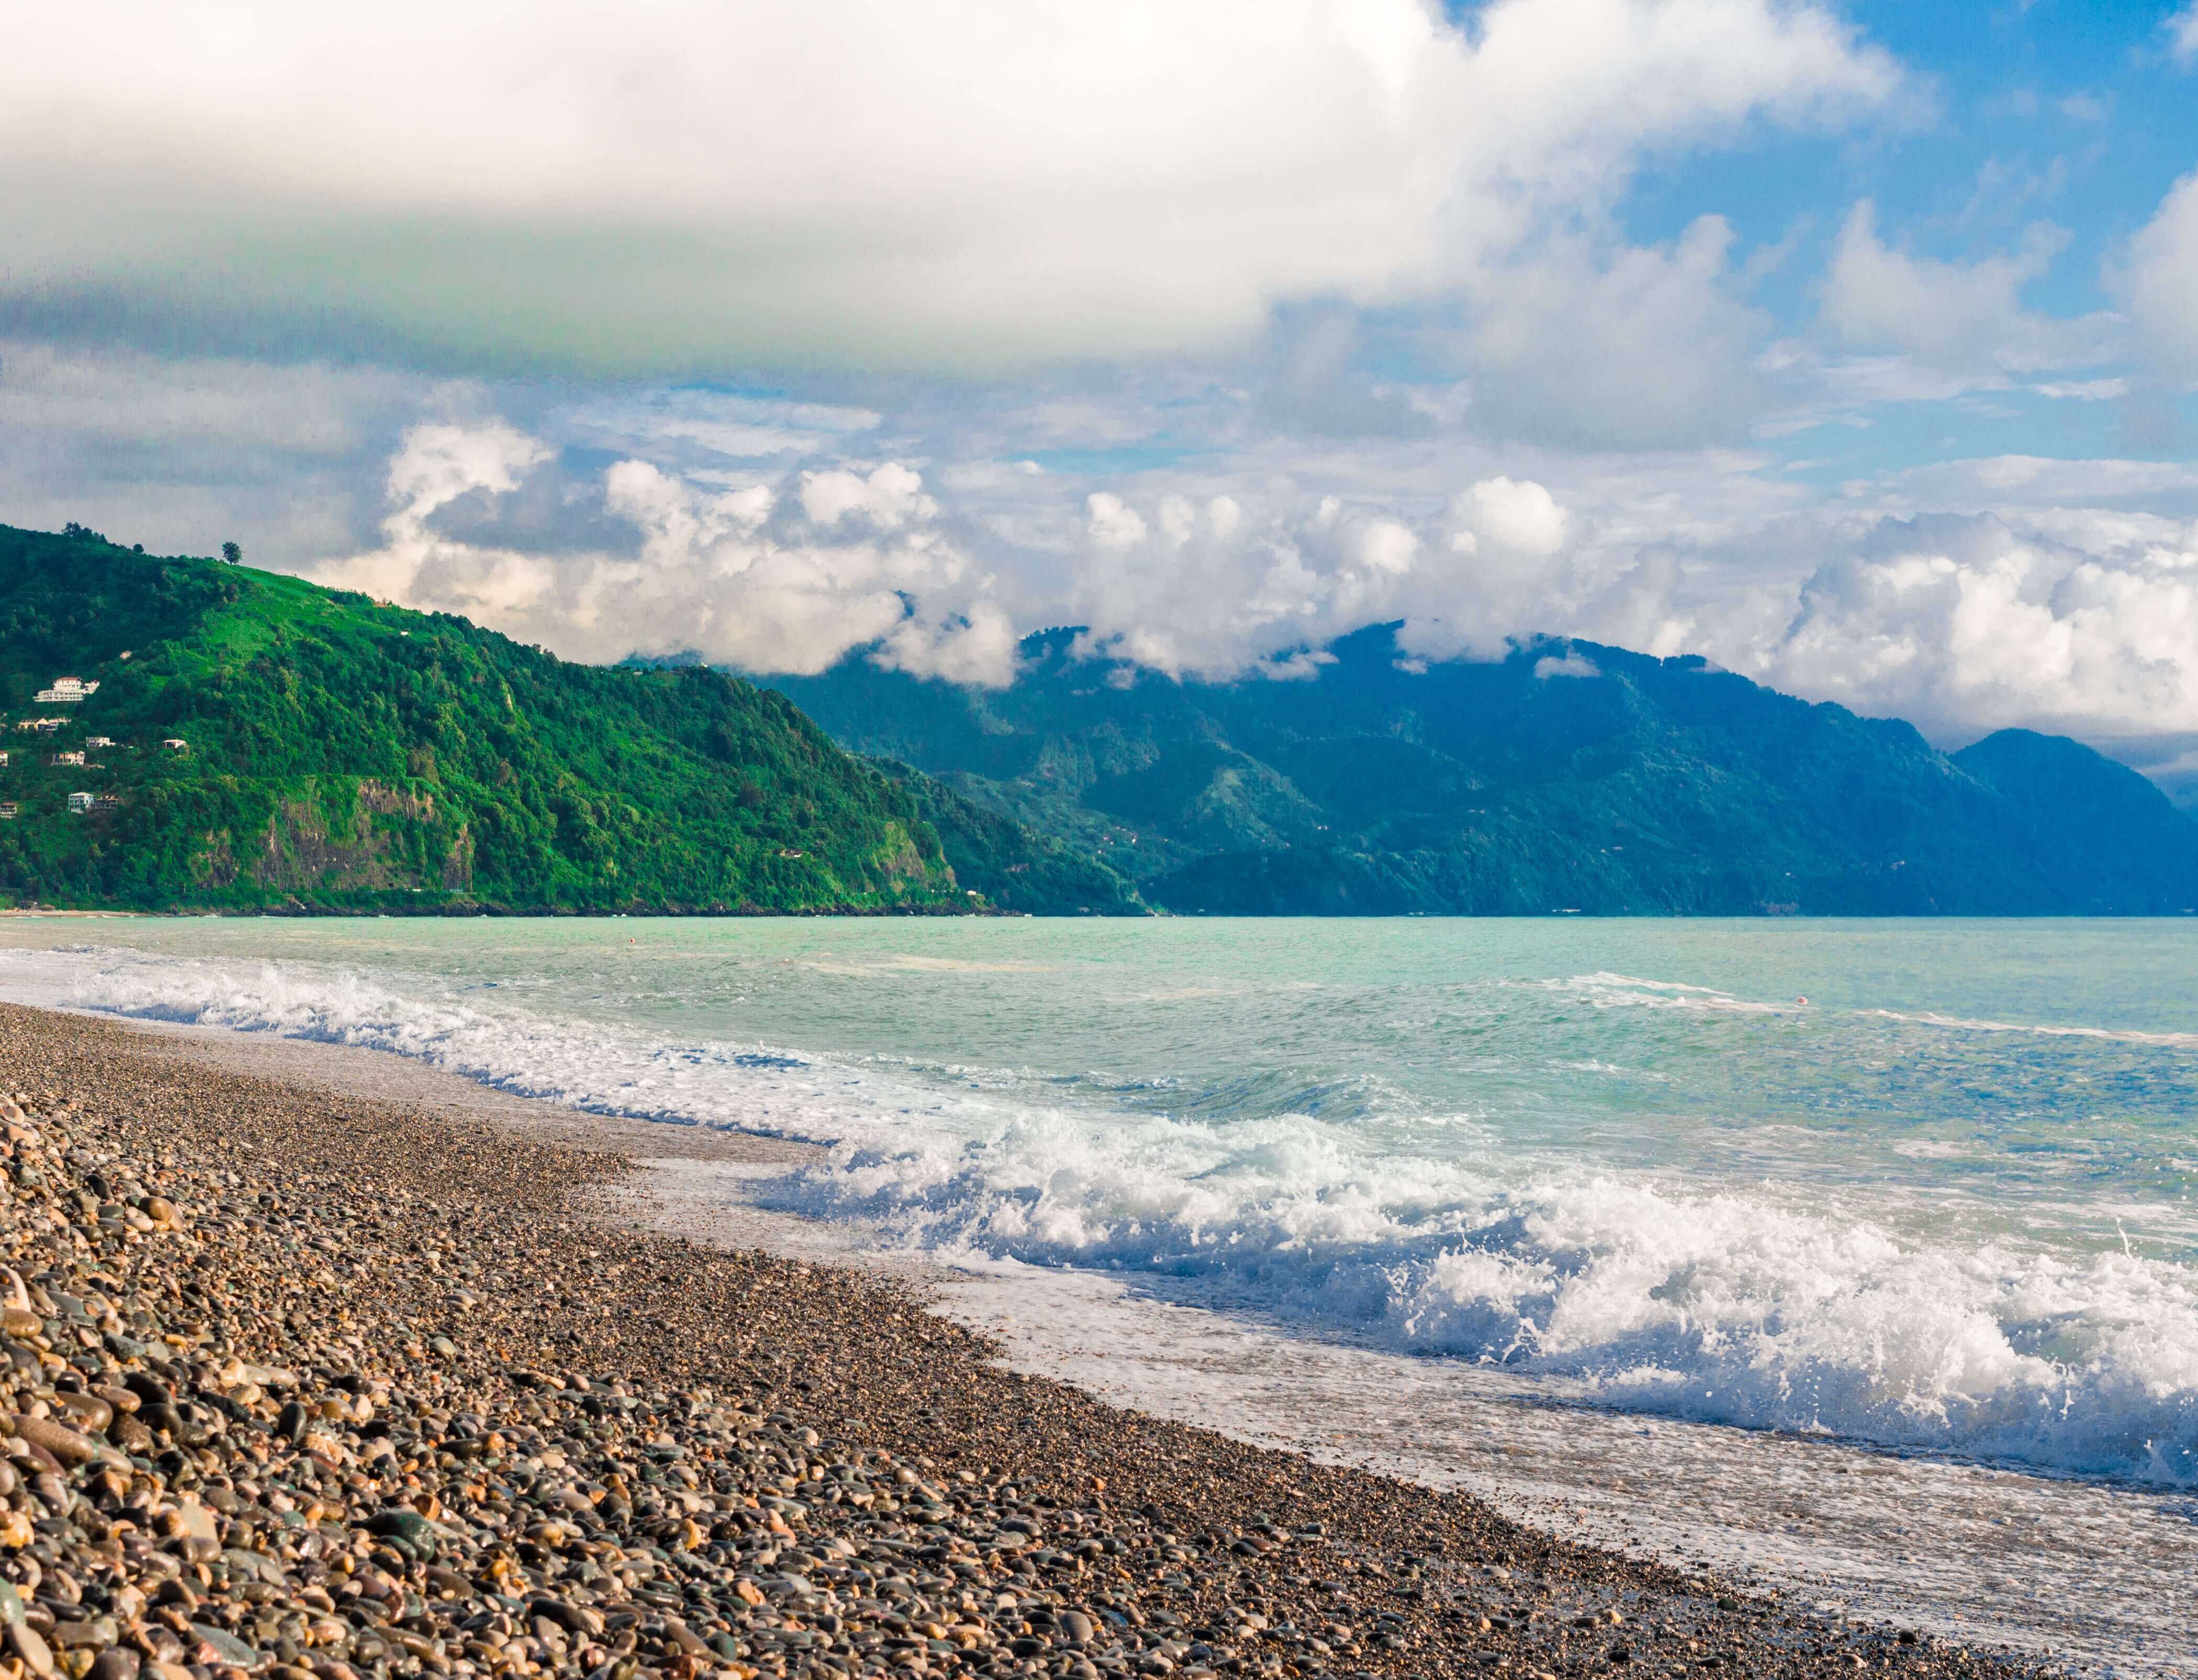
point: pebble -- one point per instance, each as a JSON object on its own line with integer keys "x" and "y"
{"x": 360, "y": 1394}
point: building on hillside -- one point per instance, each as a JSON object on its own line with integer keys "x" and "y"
{"x": 66, "y": 759}
{"x": 104, "y": 802}
{"x": 64, "y": 690}
{"x": 41, "y": 725}
{"x": 7, "y": 810}
{"x": 99, "y": 741}
{"x": 78, "y": 803}
{"x": 177, "y": 744}
{"x": 3, "y": 761}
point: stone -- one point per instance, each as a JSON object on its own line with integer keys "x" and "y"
{"x": 227, "y": 1647}
{"x": 24, "y": 1644}
{"x": 63, "y": 1443}
{"x": 290, "y": 1423}
{"x": 402, "y": 1522}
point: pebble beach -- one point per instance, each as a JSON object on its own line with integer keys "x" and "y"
{"x": 298, "y": 1382}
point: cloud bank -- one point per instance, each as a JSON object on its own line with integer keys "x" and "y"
{"x": 849, "y": 181}
{"x": 1221, "y": 329}
{"x": 2075, "y": 619}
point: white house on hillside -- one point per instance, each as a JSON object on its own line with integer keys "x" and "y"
{"x": 65, "y": 689}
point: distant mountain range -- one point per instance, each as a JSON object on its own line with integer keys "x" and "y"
{"x": 1566, "y": 777}
{"x": 181, "y": 734}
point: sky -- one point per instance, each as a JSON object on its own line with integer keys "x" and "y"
{"x": 1852, "y": 346}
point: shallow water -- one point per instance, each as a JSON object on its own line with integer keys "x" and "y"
{"x": 1922, "y": 1187}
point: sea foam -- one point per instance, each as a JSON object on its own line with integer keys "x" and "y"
{"x": 1765, "y": 1306}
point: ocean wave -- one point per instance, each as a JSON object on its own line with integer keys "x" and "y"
{"x": 1759, "y": 1307}
{"x": 2108, "y": 1034}
{"x": 1606, "y": 991}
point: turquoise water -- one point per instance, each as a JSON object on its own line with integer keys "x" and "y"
{"x": 1944, "y": 1202}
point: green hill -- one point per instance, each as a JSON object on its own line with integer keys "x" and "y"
{"x": 1566, "y": 777}
{"x": 342, "y": 755}
{"x": 1010, "y": 865}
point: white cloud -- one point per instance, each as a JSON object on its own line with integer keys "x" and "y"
{"x": 853, "y": 181}
{"x": 1387, "y": 545}
{"x": 2183, "y": 36}
{"x": 890, "y": 498}
{"x": 1513, "y": 514}
{"x": 1115, "y": 525}
{"x": 2156, "y": 282}
{"x": 1962, "y": 317}
{"x": 436, "y": 466}
{"x": 1965, "y": 624}
{"x": 2011, "y": 588}
{"x": 1638, "y": 348}
{"x": 2084, "y": 390}
{"x": 736, "y": 575}
{"x": 1571, "y": 664}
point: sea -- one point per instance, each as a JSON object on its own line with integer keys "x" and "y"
{"x": 1856, "y": 1259}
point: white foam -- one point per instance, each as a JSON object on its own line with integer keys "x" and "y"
{"x": 1763, "y": 1306}
{"x": 1606, "y": 991}
{"x": 2109, "y": 1034}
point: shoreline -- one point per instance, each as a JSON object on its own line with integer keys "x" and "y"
{"x": 494, "y": 1285}
{"x": 1849, "y": 1529}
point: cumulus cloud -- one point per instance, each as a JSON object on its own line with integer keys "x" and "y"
{"x": 850, "y": 181}
{"x": 758, "y": 576}
{"x": 1968, "y": 623}
{"x": 891, "y": 496}
{"x": 1257, "y": 583}
{"x": 2015, "y": 588}
{"x": 1961, "y": 318}
{"x": 1520, "y": 515}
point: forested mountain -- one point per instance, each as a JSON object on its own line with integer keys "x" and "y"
{"x": 324, "y": 752}
{"x": 1568, "y": 776}
{"x": 245, "y": 740}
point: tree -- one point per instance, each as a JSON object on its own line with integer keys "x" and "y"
{"x": 232, "y": 553}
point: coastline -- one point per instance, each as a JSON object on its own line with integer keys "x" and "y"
{"x": 1079, "y": 1537}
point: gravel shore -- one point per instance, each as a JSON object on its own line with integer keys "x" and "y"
{"x": 300, "y": 1382}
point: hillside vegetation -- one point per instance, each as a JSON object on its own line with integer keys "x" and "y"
{"x": 1568, "y": 776}
{"x": 342, "y": 755}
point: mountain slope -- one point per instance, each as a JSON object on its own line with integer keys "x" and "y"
{"x": 340, "y": 754}
{"x": 1013, "y": 867}
{"x": 1568, "y": 776}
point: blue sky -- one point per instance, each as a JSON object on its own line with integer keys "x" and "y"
{"x": 1853, "y": 347}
